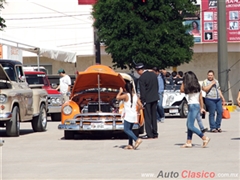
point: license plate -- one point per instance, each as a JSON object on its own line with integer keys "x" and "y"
{"x": 97, "y": 125}
{"x": 173, "y": 110}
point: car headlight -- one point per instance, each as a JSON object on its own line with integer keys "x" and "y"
{"x": 170, "y": 100}
{"x": 57, "y": 101}
{"x": 3, "y": 98}
{"x": 67, "y": 110}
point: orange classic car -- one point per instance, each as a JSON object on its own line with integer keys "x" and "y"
{"x": 93, "y": 105}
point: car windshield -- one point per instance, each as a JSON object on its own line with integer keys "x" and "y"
{"x": 172, "y": 87}
{"x": 36, "y": 79}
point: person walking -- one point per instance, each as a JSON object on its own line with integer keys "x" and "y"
{"x": 64, "y": 84}
{"x": 160, "y": 109}
{"x": 131, "y": 100}
{"x": 192, "y": 88}
{"x": 148, "y": 85}
{"x": 213, "y": 101}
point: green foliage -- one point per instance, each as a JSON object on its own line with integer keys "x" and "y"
{"x": 151, "y": 32}
{"x": 2, "y": 21}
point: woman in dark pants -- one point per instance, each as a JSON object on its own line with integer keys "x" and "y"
{"x": 213, "y": 101}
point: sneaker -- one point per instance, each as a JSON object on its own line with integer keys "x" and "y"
{"x": 162, "y": 120}
{"x": 205, "y": 142}
{"x": 204, "y": 130}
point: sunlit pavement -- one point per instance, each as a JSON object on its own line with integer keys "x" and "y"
{"x": 47, "y": 155}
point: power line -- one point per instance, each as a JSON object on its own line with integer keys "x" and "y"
{"x": 46, "y": 17}
{"x": 55, "y": 10}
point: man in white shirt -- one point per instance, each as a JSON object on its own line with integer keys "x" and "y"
{"x": 64, "y": 84}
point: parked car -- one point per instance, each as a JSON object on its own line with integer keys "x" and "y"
{"x": 93, "y": 105}
{"x": 55, "y": 99}
{"x": 174, "y": 102}
{"x": 19, "y": 101}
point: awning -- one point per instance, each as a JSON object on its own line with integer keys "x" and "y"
{"x": 53, "y": 53}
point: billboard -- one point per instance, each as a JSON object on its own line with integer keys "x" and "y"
{"x": 209, "y": 20}
{"x": 195, "y": 23}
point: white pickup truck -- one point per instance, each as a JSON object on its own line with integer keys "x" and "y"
{"x": 19, "y": 101}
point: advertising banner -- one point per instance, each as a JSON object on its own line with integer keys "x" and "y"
{"x": 86, "y": 2}
{"x": 209, "y": 20}
{"x": 195, "y": 22}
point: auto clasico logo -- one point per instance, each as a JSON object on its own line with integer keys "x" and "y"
{"x": 186, "y": 174}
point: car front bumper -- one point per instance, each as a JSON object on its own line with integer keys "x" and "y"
{"x": 172, "y": 110}
{"x": 5, "y": 116}
{"x": 93, "y": 127}
{"x": 95, "y": 122}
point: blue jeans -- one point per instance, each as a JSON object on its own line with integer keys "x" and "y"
{"x": 212, "y": 106}
{"x": 199, "y": 121}
{"x": 193, "y": 110}
{"x": 128, "y": 130}
{"x": 160, "y": 110}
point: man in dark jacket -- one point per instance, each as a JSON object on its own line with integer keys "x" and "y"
{"x": 148, "y": 85}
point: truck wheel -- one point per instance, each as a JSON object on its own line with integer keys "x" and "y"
{"x": 13, "y": 125}
{"x": 69, "y": 134}
{"x": 39, "y": 123}
{"x": 184, "y": 109}
{"x": 56, "y": 117}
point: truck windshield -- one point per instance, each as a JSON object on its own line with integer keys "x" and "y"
{"x": 36, "y": 79}
{"x": 9, "y": 69}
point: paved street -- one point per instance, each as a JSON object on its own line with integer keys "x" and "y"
{"x": 48, "y": 156}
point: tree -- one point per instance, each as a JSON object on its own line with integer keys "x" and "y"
{"x": 148, "y": 31}
{"x": 2, "y": 21}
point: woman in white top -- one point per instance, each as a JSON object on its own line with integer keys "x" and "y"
{"x": 131, "y": 101}
{"x": 191, "y": 87}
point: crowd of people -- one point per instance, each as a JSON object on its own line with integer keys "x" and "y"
{"x": 151, "y": 89}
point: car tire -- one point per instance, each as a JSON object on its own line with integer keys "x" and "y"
{"x": 39, "y": 123}
{"x": 13, "y": 125}
{"x": 56, "y": 117}
{"x": 184, "y": 109}
{"x": 69, "y": 134}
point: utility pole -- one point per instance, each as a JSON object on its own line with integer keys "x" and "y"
{"x": 97, "y": 47}
{"x": 222, "y": 48}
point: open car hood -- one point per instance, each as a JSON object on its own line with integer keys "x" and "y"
{"x": 3, "y": 74}
{"x": 88, "y": 79}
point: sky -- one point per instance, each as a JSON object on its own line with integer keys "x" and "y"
{"x": 59, "y": 24}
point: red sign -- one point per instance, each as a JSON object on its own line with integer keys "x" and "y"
{"x": 209, "y": 20}
{"x": 87, "y": 2}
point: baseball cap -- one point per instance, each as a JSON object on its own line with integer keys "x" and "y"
{"x": 61, "y": 71}
{"x": 139, "y": 66}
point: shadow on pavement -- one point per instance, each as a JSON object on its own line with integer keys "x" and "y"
{"x": 235, "y": 138}
{"x": 98, "y": 136}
